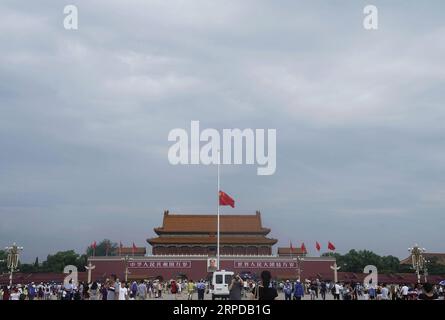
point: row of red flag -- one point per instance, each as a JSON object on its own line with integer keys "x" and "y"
{"x": 94, "y": 245}
{"x": 317, "y": 246}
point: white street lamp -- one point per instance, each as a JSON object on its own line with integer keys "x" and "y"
{"x": 12, "y": 260}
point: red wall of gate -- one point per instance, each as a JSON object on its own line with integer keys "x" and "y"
{"x": 195, "y": 269}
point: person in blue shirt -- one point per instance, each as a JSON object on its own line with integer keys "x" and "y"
{"x": 298, "y": 290}
{"x": 287, "y": 289}
{"x": 201, "y": 286}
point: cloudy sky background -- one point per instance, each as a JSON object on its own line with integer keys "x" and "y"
{"x": 85, "y": 115}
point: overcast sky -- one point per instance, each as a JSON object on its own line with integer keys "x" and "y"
{"x": 85, "y": 115}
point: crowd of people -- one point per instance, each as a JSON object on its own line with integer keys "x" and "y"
{"x": 110, "y": 289}
{"x": 317, "y": 289}
{"x": 262, "y": 289}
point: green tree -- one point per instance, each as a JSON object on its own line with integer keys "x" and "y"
{"x": 3, "y": 257}
{"x": 58, "y": 261}
{"x": 434, "y": 267}
{"x": 355, "y": 261}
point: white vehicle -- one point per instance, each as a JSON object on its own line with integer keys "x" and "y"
{"x": 220, "y": 284}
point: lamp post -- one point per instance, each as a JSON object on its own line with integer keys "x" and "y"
{"x": 90, "y": 267}
{"x": 126, "y": 259}
{"x": 299, "y": 266}
{"x": 425, "y": 269}
{"x": 12, "y": 260}
{"x": 417, "y": 259}
{"x": 335, "y": 268}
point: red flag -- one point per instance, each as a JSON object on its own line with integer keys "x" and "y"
{"x": 93, "y": 247}
{"x": 134, "y": 248}
{"x": 331, "y": 246}
{"x": 303, "y": 248}
{"x": 120, "y": 248}
{"x": 226, "y": 200}
{"x": 317, "y": 246}
{"x": 291, "y": 247}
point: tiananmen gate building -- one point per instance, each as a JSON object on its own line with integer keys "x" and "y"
{"x": 196, "y": 234}
{"x": 185, "y": 246}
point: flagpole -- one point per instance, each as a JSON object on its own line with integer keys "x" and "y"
{"x": 217, "y": 217}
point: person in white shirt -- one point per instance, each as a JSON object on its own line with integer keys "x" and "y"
{"x": 404, "y": 291}
{"x": 337, "y": 289}
{"x": 123, "y": 291}
{"x": 384, "y": 292}
{"x": 15, "y": 295}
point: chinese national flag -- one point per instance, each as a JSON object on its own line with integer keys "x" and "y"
{"x": 93, "y": 245}
{"x": 303, "y": 248}
{"x": 134, "y": 248}
{"x": 331, "y": 246}
{"x": 226, "y": 200}
{"x": 291, "y": 247}
{"x": 317, "y": 246}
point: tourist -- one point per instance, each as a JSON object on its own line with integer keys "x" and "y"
{"x": 393, "y": 291}
{"x": 428, "y": 293}
{"x": 31, "y": 291}
{"x": 384, "y": 292}
{"x": 265, "y": 291}
{"x": 150, "y": 289}
{"x": 347, "y": 292}
{"x": 68, "y": 289}
{"x": 123, "y": 291}
{"x": 201, "y": 289}
{"x": 287, "y": 289}
{"x": 111, "y": 288}
{"x": 336, "y": 289}
{"x": 298, "y": 290}
{"x": 404, "y": 292}
{"x": 141, "y": 291}
{"x": 173, "y": 288}
{"x": 190, "y": 289}
{"x": 245, "y": 288}
{"x": 235, "y": 288}
{"x": 133, "y": 290}
{"x": 372, "y": 293}
{"x": 15, "y": 295}
{"x": 312, "y": 290}
{"x": 323, "y": 290}
{"x": 94, "y": 292}
{"x": 159, "y": 289}
{"x": 6, "y": 295}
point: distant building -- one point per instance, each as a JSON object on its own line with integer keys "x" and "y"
{"x": 437, "y": 257}
{"x": 190, "y": 234}
{"x": 129, "y": 251}
{"x": 290, "y": 252}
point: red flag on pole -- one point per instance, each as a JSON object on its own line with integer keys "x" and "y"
{"x": 120, "y": 248}
{"x": 291, "y": 247}
{"x": 134, "y": 248}
{"x": 225, "y": 199}
{"x": 317, "y": 246}
{"x": 331, "y": 246}
{"x": 303, "y": 248}
{"x": 93, "y": 246}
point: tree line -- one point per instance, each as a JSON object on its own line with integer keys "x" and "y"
{"x": 56, "y": 262}
{"x": 355, "y": 261}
